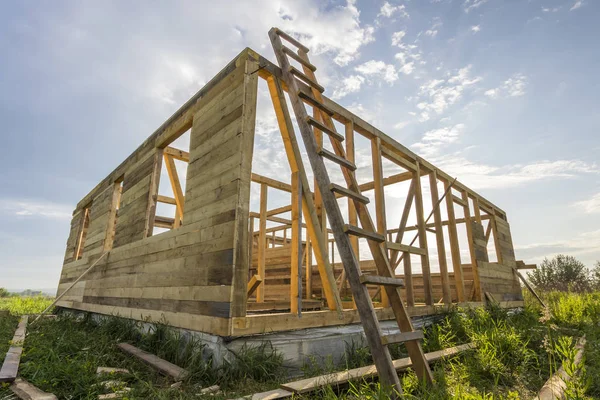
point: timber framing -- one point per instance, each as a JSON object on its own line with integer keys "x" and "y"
{"x": 217, "y": 258}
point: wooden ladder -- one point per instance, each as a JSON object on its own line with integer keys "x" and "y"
{"x": 298, "y": 94}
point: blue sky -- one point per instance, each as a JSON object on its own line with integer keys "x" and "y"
{"x": 502, "y": 94}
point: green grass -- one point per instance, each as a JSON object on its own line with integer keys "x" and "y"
{"x": 515, "y": 355}
{"x": 17, "y": 305}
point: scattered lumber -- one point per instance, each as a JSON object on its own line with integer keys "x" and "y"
{"x": 116, "y": 395}
{"x": 555, "y": 386}
{"x": 10, "y": 367}
{"x": 338, "y": 378}
{"x": 26, "y": 391}
{"x": 210, "y": 389}
{"x": 110, "y": 370}
{"x": 163, "y": 366}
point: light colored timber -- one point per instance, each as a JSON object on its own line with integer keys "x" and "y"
{"x": 176, "y": 186}
{"x": 26, "y": 391}
{"x": 555, "y": 387}
{"x": 10, "y": 366}
{"x": 439, "y": 238}
{"x": 402, "y": 337}
{"x": 253, "y": 284}
{"x": 177, "y": 154}
{"x": 262, "y": 241}
{"x": 309, "y": 204}
{"x": 339, "y": 378}
{"x": 164, "y": 367}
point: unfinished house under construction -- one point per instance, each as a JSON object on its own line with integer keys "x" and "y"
{"x": 191, "y": 234}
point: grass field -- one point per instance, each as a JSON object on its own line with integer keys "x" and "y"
{"x": 516, "y": 353}
{"x": 17, "y": 305}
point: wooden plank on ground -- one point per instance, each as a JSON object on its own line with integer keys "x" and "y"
{"x": 272, "y": 395}
{"x": 10, "y": 367}
{"x": 163, "y": 366}
{"x": 26, "y": 391}
{"x": 337, "y": 378}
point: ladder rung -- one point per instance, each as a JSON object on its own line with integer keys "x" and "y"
{"x": 291, "y": 40}
{"x": 337, "y": 159}
{"x": 296, "y": 57}
{"x": 314, "y": 102}
{"x": 406, "y": 248}
{"x": 431, "y": 230}
{"x": 300, "y": 75}
{"x": 348, "y": 193}
{"x": 381, "y": 280}
{"x": 402, "y": 337}
{"x": 356, "y": 231}
{"x": 321, "y": 127}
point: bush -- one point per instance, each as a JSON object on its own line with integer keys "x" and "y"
{"x": 563, "y": 273}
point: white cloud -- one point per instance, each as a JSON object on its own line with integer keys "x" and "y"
{"x": 388, "y": 10}
{"x": 469, "y": 5}
{"x": 482, "y": 176}
{"x": 475, "y": 28}
{"x": 577, "y": 5}
{"x": 590, "y": 206}
{"x": 435, "y": 140}
{"x": 397, "y": 37}
{"x": 512, "y": 87}
{"x": 36, "y": 208}
{"x": 409, "y": 54}
{"x": 350, "y": 84}
{"x": 583, "y": 244}
{"x": 548, "y": 10}
{"x": 379, "y": 69}
{"x": 433, "y": 31}
{"x": 402, "y": 124}
{"x": 438, "y": 95}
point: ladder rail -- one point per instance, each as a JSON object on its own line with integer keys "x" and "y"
{"x": 373, "y": 333}
{"x": 378, "y": 251}
{"x": 365, "y": 307}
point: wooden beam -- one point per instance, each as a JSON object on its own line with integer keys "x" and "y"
{"x": 262, "y": 241}
{"x": 270, "y": 182}
{"x": 309, "y": 206}
{"x": 403, "y": 221}
{"x": 164, "y": 367}
{"x": 454, "y": 246}
{"x": 471, "y": 240}
{"x": 10, "y": 366}
{"x": 363, "y": 373}
{"x": 253, "y": 284}
{"x": 296, "y": 257}
{"x": 439, "y": 238}
{"x": 25, "y": 390}
{"x": 397, "y": 159}
{"x": 427, "y": 287}
{"x": 176, "y": 186}
{"x": 166, "y": 200}
{"x": 379, "y": 199}
{"x": 177, "y": 154}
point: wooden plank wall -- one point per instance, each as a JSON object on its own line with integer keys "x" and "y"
{"x": 497, "y": 278}
{"x": 192, "y": 275}
{"x": 277, "y": 278}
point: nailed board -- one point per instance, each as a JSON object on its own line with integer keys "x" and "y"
{"x": 337, "y": 378}
{"x": 10, "y": 367}
{"x": 163, "y": 366}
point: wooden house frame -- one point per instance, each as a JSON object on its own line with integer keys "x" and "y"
{"x": 225, "y": 270}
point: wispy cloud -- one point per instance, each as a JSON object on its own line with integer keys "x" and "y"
{"x": 475, "y": 28}
{"x": 469, "y": 5}
{"x": 388, "y": 10}
{"x": 434, "y": 140}
{"x": 577, "y": 5}
{"x": 378, "y": 69}
{"x": 482, "y": 176}
{"x": 433, "y": 31}
{"x": 590, "y": 206}
{"x": 582, "y": 244}
{"x": 409, "y": 55}
{"x": 350, "y": 84}
{"x": 438, "y": 95}
{"x": 512, "y": 87}
{"x": 27, "y": 208}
